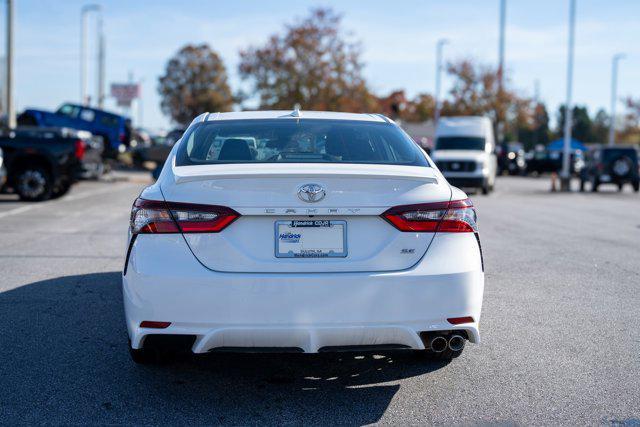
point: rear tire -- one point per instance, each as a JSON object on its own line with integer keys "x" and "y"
{"x": 151, "y": 356}
{"x": 486, "y": 189}
{"x": 636, "y": 186}
{"x": 33, "y": 184}
{"x": 142, "y": 356}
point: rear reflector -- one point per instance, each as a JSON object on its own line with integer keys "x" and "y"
{"x": 460, "y": 320}
{"x": 150, "y": 217}
{"x": 154, "y": 325}
{"x": 457, "y": 216}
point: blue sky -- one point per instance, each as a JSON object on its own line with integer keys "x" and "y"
{"x": 398, "y": 40}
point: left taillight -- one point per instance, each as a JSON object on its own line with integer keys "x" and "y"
{"x": 456, "y": 216}
{"x": 80, "y": 148}
{"x": 156, "y": 217}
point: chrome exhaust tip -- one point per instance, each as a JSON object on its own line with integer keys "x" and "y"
{"x": 456, "y": 342}
{"x": 438, "y": 344}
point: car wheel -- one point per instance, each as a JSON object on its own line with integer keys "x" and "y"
{"x": 636, "y": 186}
{"x": 61, "y": 190}
{"x": 143, "y": 356}
{"x": 620, "y": 186}
{"x": 581, "y": 185}
{"x": 33, "y": 184}
{"x": 594, "y": 185}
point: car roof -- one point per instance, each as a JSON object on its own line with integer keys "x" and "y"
{"x": 293, "y": 114}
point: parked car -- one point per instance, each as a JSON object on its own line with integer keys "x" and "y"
{"x": 114, "y": 128}
{"x": 91, "y": 164}
{"x": 543, "y": 161}
{"x": 465, "y": 152}
{"x": 41, "y": 165}
{"x": 611, "y": 165}
{"x": 337, "y": 233}
{"x": 511, "y": 159}
{"x": 157, "y": 149}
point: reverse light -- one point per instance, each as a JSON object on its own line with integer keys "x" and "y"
{"x": 152, "y": 217}
{"x": 457, "y": 216}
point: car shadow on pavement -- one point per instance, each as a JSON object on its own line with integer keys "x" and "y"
{"x": 64, "y": 360}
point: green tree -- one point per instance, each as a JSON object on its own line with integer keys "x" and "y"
{"x": 600, "y": 126}
{"x": 312, "y": 64}
{"x": 476, "y": 91}
{"x": 581, "y": 123}
{"x": 194, "y": 82}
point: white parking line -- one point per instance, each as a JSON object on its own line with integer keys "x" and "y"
{"x": 69, "y": 198}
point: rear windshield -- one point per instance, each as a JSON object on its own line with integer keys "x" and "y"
{"x": 298, "y": 141}
{"x": 460, "y": 143}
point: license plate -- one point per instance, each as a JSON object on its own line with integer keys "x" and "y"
{"x": 311, "y": 239}
{"x": 605, "y": 178}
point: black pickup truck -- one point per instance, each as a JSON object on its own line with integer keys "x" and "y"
{"x": 40, "y": 165}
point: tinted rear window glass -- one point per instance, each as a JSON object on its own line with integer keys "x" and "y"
{"x": 298, "y": 141}
{"x": 460, "y": 143}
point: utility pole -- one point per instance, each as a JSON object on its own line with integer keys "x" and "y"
{"x": 101, "y": 53}
{"x": 436, "y": 113}
{"x": 86, "y": 9}
{"x": 503, "y": 11}
{"x": 565, "y": 178}
{"x": 11, "y": 113}
{"x": 614, "y": 96}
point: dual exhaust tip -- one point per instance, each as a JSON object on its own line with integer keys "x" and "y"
{"x": 440, "y": 343}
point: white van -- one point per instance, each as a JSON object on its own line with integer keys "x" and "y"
{"x": 464, "y": 151}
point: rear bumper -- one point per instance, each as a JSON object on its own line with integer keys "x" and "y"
{"x": 308, "y": 312}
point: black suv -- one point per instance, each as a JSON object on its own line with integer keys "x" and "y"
{"x": 615, "y": 165}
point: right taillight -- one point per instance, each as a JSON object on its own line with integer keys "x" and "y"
{"x": 456, "y": 216}
{"x": 152, "y": 217}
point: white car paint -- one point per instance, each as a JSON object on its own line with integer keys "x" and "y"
{"x": 229, "y": 290}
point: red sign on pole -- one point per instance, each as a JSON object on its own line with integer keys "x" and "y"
{"x": 124, "y": 93}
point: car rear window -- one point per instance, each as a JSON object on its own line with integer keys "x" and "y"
{"x": 298, "y": 141}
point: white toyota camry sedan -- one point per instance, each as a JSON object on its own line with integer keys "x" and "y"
{"x": 301, "y": 232}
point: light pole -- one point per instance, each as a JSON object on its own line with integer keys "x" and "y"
{"x": 503, "y": 11}
{"x": 565, "y": 178}
{"x": 439, "y": 46}
{"x": 100, "y": 79}
{"x": 11, "y": 113}
{"x": 614, "y": 96}
{"x": 86, "y": 9}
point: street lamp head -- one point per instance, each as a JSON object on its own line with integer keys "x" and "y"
{"x": 91, "y": 8}
{"x": 619, "y": 56}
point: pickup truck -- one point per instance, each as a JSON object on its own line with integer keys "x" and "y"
{"x": 41, "y": 166}
{"x": 113, "y": 128}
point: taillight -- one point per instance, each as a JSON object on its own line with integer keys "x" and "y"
{"x": 457, "y": 216}
{"x": 79, "y": 149}
{"x": 150, "y": 216}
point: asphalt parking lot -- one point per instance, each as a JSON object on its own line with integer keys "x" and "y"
{"x": 560, "y": 336}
